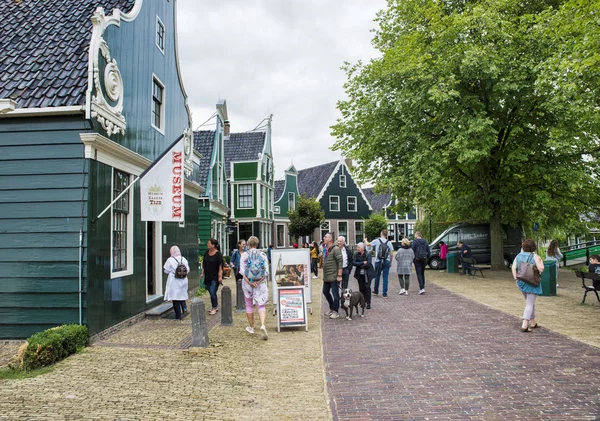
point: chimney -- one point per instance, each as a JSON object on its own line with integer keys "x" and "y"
{"x": 348, "y": 162}
{"x": 226, "y": 128}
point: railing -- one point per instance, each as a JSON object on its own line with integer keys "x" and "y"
{"x": 579, "y": 251}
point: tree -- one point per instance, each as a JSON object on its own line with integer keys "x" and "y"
{"x": 374, "y": 225}
{"x": 307, "y": 217}
{"x": 477, "y": 109}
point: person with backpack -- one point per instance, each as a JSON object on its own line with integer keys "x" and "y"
{"x": 177, "y": 268}
{"x": 422, "y": 251}
{"x": 383, "y": 260}
{"x": 255, "y": 270}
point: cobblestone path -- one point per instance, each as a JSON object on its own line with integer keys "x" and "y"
{"x": 440, "y": 356}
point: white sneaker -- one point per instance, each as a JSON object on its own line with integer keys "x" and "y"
{"x": 402, "y": 292}
{"x": 334, "y": 315}
{"x": 263, "y": 330}
{"x": 405, "y": 292}
{"x": 329, "y": 313}
{"x": 315, "y": 277}
{"x": 249, "y": 329}
{"x": 422, "y": 291}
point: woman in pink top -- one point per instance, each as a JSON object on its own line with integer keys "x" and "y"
{"x": 443, "y": 254}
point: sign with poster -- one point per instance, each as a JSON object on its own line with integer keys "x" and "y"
{"x": 291, "y": 268}
{"x": 291, "y": 307}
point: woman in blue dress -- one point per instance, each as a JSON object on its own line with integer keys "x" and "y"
{"x": 529, "y": 292}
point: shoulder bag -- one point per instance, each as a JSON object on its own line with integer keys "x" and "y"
{"x": 529, "y": 273}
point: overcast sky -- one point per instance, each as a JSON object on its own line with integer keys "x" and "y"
{"x": 279, "y": 57}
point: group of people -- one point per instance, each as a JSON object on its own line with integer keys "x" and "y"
{"x": 338, "y": 262}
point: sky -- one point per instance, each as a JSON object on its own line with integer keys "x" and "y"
{"x": 279, "y": 57}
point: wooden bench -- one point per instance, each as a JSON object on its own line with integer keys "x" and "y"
{"x": 470, "y": 265}
{"x": 588, "y": 288}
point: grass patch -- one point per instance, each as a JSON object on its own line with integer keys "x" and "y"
{"x": 200, "y": 292}
{"x": 8, "y": 374}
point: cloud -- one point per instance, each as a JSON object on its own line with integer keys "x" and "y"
{"x": 279, "y": 57}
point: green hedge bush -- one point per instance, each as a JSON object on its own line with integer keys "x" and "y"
{"x": 52, "y": 345}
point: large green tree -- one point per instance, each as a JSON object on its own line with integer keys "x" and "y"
{"x": 306, "y": 218}
{"x": 479, "y": 109}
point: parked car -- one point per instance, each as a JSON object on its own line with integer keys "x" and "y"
{"x": 476, "y": 236}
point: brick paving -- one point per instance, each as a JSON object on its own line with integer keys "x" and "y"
{"x": 440, "y": 356}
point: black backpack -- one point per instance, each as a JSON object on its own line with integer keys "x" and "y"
{"x": 421, "y": 253}
{"x": 181, "y": 271}
{"x": 384, "y": 251}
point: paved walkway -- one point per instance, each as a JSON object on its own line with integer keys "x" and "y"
{"x": 440, "y": 356}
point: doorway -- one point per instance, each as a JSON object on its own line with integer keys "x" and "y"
{"x": 153, "y": 261}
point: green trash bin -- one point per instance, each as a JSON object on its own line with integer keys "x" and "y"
{"x": 549, "y": 278}
{"x": 452, "y": 262}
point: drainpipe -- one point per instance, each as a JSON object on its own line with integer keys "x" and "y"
{"x": 80, "y": 277}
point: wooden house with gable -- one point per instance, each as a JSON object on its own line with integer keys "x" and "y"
{"x": 342, "y": 200}
{"x": 213, "y": 206}
{"x": 286, "y": 199}
{"x": 249, "y": 166}
{"x": 90, "y": 96}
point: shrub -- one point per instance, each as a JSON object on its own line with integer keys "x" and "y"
{"x": 52, "y": 345}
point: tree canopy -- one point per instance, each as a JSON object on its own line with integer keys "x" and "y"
{"x": 374, "y": 225}
{"x": 307, "y": 217}
{"x": 482, "y": 110}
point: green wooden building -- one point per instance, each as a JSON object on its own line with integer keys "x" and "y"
{"x": 213, "y": 206}
{"x": 286, "y": 199}
{"x": 91, "y": 95}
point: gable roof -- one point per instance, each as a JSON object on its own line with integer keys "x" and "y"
{"x": 312, "y": 180}
{"x": 44, "y": 45}
{"x": 243, "y": 147}
{"x": 377, "y": 201}
{"x": 204, "y": 142}
{"x": 279, "y": 188}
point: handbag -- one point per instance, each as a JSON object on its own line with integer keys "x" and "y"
{"x": 529, "y": 274}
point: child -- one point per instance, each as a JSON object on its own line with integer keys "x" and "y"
{"x": 595, "y": 268}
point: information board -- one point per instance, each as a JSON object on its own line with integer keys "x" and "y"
{"x": 291, "y": 268}
{"x": 291, "y": 307}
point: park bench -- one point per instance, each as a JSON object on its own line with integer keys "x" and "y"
{"x": 471, "y": 265}
{"x": 588, "y": 288}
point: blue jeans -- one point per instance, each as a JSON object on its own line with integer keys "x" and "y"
{"x": 212, "y": 290}
{"x": 382, "y": 268}
{"x": 334, "y": 302}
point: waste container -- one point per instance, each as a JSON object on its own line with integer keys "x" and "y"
{"x": 549, "y": 278}
{"x": 452, "y": 262}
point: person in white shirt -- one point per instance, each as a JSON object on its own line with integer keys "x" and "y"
{"x": 346, "y": 260}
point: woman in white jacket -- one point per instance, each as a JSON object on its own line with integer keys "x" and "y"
{"x": 177, "y": 288}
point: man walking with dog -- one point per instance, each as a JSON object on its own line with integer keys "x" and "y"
{"x": 383, "y": 260}
{"x": 332, "y": 275}
{"x": 346, "y": 260}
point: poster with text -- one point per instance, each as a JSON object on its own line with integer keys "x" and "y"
{"x": 291, "y": 268}
{"x": 292, "y": 307}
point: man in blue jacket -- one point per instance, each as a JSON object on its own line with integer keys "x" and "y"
{"x": 422, "y": 252}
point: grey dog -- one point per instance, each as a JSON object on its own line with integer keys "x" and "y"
{"x": 351, "y": 300}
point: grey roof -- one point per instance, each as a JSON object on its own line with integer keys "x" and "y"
{"x": 203, "y": 142}
{"x": 243, "y": 147}
{"x": 312, "y": 180}
{"x": 279, "y": 186}
{"x": 377, "y": 201}
{"x": 44, "y": 50}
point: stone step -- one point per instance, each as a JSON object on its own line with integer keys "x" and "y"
{"x": 160, "y": 310}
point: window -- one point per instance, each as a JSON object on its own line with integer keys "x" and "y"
{"x": 280, "y": 236}
{"x": 359, "y": 231}
{"x": 351, "y": 203}
{"x": 160, "y": 35}
{"x": 245, "y": 230}
{"x": 410, "y": 230}
{"x": 392, "y": 232}
{"x": 122, "y": 227}
{"x": 277, "y": 210}
{"x": 343, "y": 229}
{"x": 245, "y": 196}
{"x": 343, "y": 181}
{"x": 291, "y": 201}
{"x": 158, "y": 105}
{"x": 324, "y": 229}
{"x": 334, "y": 203}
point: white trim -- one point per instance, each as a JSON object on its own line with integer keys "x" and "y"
{"x": 338, "y": 201}
{"x": 129, "y": 270}
{"x": 158, "y": 269}
{"x": 277, "y": 238}
{"x": 363, "y": 229}
{"x": 163, "y": 107}
{"x": 238, "y": 196}
{"x": 347, "y": 229}
{"x": 159, "y": 23}
{"x": 45, "y": 111}
{"x": 333, "y": 173}
{"x": 277, "y": 210}
{"x": 355, "y": 204}
{"x": 177, "y": 66}
{"x": 192, "y": 189}
{"x": 345, "y": 182}
{"x": 294, "y": 196}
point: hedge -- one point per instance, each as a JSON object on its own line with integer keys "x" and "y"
{"x": 52, "y": 345}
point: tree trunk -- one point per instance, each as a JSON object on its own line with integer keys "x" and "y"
{"x": 497, "y": 243}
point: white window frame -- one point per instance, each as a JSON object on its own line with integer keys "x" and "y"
{"x": 277, "y": 210}
{"x": 163, "y": 108}
{"x": 362, "y": 231}
{"x": 239, "y": 206}
{"x": 159, "y": 25}
{"x": 339, "y": 232}
{"x": 291, "y": 195}
{"x": 129, "y": 268}
{"x": 325, "y": 226}
{"x": 342, "y": 181}
{"x": 355, "y": 204}
{"x": 277, "y": 245}
{"x": 338, "y": 204}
